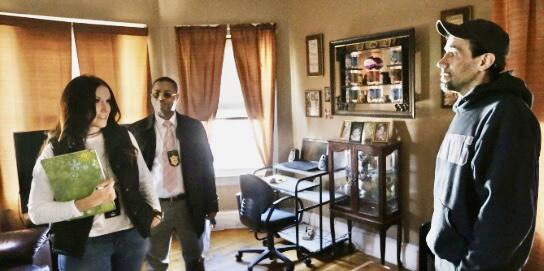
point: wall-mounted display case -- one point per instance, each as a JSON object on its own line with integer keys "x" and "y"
{"x": 373, "y": 75}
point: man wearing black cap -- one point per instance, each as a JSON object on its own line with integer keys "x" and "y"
{"x": 486, "y": 176}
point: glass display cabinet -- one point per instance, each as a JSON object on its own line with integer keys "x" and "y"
{"x": 373, "y": 75}
{"x": 370, "y": 183}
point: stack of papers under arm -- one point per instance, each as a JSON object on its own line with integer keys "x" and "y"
{"x": 74, "y": 176}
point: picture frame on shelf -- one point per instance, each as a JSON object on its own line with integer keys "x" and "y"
{"x": 312, "y": 100}
{"x": 356, "y": 132}
{"x": 314, "y": 55}
{"x": 368, "y": 132}
{"x": 455, "y": 16}
{"x": 345, "y": 131}
{"x": 381, "y": 132}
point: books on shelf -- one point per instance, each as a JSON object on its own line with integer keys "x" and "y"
{"x": 74, "y": 176}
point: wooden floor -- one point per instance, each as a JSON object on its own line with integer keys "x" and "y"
{"x": 225, "y": 244}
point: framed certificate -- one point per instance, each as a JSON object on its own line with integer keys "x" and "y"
{"x": 314, "y": 55}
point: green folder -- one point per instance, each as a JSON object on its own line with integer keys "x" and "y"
{"x": 74, "y": 176}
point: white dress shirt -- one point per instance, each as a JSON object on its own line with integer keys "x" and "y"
{"x": 157, "y": 168}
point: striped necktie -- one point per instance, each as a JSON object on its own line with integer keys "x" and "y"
{"x": 169, "y": 171}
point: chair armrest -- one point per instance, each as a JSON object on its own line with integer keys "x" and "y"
{"x": 21, "y": 246}
{"x": 276, "y": 203}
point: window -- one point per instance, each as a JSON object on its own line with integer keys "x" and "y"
{"x": 231, "y": 136}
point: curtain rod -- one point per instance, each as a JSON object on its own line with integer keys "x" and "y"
{"x": 186, "y": 25}
{"x": 74, "y": 20}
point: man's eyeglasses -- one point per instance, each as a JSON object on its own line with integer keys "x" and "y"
{"x": 165, "y": 95}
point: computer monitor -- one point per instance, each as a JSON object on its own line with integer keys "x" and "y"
{"x": 27, "y": 149}
{"x": 312, "y": 149}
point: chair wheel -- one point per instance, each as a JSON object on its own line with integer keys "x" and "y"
{"x": 264, "y": 243}
{"x": 308, "y": 262}
{"x": 290, "y": 268}
{"x": 239, "y": 257}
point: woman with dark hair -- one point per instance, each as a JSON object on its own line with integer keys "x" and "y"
{"x": 110, "y": 241}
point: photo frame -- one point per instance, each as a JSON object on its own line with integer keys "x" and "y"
{"x": 314, "y": 55}
{"x": 312, "y": 100}
{"x": 368, "y": 131}
{"x": 374, "y": 75}
{"x": 346, "y": 130}
{"x": 327, "y": 94}
{"x": 455, "y": 16}
{"x": 381, "y": 132}
{"x": 356, "y": 132}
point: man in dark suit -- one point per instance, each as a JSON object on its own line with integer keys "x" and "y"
{"x": 175, "y": 148}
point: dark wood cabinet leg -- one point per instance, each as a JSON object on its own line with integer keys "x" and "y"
{"x": 333, "y": 235}
{"x": 382, "y": 245}
{"x": 350, "y": 225}
{"x": 399, "y": 243}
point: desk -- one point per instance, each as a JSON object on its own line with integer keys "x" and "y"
{"x": 302, "y": 185}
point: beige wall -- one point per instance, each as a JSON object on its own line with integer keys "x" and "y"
{"x": 134, "y": 11}
{"x": 421, "y": 136}
{"x": 163, "y": 53}
{"x": 194, "y": 12}
{"x": 295, "y": 19}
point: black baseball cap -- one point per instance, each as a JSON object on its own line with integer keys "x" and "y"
{"x": 487, "y": 34}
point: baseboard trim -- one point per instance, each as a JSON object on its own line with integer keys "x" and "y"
{"x": 228, "y": 220}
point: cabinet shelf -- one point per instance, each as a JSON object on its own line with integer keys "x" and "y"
{"x": 370, "y": 86}
{"x": 372, "y": 188}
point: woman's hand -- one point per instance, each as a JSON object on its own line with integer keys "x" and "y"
{"x": 104, "y": 192}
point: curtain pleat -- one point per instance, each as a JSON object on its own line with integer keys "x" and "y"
{"x": 118, "y": 55}
{"x": 201, "y": 50}
{"x": 524, "y": 22}
{"x": 255, "y": 56}
{"x": 35, "y": 66}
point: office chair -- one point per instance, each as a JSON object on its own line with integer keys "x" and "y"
{"x": 258, "y": 211}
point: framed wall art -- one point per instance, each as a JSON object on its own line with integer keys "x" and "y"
{"x": 312, "y": 101}
{"x": 314, "y": 55}
{"x": 373, "y": 75}
{"x": 454, "y": 16}
{"x": 327, "y": 94}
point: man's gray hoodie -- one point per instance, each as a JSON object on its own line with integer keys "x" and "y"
{"x": 486, "y": 179}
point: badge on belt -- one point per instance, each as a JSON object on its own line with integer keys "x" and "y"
{"x": 173, "y": 157}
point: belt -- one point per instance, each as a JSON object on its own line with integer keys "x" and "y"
{"x": 174, "y": 198}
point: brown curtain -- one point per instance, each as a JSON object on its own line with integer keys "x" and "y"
{"x": 119, "y": 56}
{"x": 255, "y": 56}
{"x": 34, "y": 68}
{"x": 524, "y": 22}
{"x": 201, "y": 50}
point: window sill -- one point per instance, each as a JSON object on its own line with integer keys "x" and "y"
{"x": 226, "y": 177}
{"x": 234, "y": 172}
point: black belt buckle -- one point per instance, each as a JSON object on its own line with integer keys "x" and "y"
{"x": 174, "y": 198}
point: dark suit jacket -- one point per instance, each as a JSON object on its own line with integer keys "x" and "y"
{"x": 196, "y": 163}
